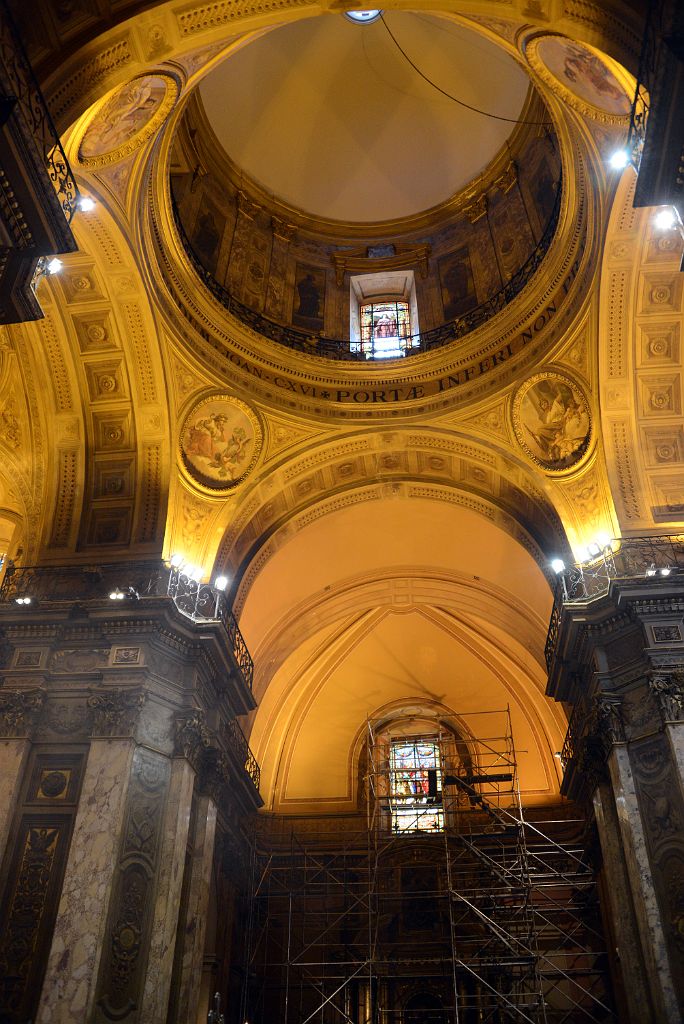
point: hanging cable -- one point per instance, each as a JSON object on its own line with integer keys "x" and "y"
{"x": 461, "y": 103}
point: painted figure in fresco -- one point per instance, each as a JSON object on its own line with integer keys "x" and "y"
{"x": 458, "y": 289}
{"x": 222, "y": 450}
{"x": 560, "y": 423}
{"x": 206, "y": 435}
{"x": 309, "y": 298}
{"x": 124, "y": 116}
{"x": 581, "y": 64}
{"x": 207, "y": 238}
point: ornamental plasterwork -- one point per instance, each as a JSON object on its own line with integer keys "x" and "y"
{"x": 582, "y": 79}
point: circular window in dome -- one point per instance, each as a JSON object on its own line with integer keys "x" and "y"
{"x": 363, "y": 17}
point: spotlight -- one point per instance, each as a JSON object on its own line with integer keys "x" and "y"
{"x": 22, "y": 600}
{"x": 665, "y": 219}
{"x": 558, "y": 755}
{"x": 54, "y": 265}
{"x": 221, "y": 582}
{"x": 594, "y": 549}
{"x": 619, "y": 159}
{"x": 86, "y": 204}
{"x": 194, "y": 572}
{"x": 604, "y": 540}
{"x": 558, "y": 565}
{"x": 666, "y": 571}
{"x": 116, "y": 595}
{"x": 651, "y": 571}
{"x": 176, "y": 561}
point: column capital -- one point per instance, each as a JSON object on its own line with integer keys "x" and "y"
{"x": 20, "y": 711}
{"x": 115, "y": 712}
{"x": 667, "y": 687}
{"x": 190, "y": 739}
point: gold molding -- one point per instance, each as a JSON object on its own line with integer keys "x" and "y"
{"x": 357, "y": 261}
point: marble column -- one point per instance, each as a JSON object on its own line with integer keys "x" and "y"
{"x": 636, "y": 1007}
{"x": 68, "y": 992}
{"x": 193, "y": 928}
{"x": 12, "y": 756}
{"x": 639, "y": 871}
{"x": 169, "y": 884}
{"x": 18, "y": 715}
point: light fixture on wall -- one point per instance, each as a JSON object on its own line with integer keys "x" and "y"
{"x": 558, "y": 565}
{"x": 619, "y": 159}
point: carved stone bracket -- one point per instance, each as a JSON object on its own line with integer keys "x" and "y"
{"x": 508, "y": 178}
{"x": 20, "y": 711}
{"x": 282, "y": 230}
{"x": 608, "y": 718}
{"x": 477, "y": 209}
{"x": 115, "y": 712}
{"x": 190, "y": 737}
{"x": 667, "y": 687}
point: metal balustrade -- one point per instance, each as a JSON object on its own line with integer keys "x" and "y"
{"x": 332, "y": 348}
{"x": 201, "y": 602}
{"x": 647, "y": 558}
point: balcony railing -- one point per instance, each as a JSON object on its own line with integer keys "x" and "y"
{"x": 18, "y": 83}
{"x": 135, "y": 581}
{"x": 331, "y": 348}
{"x": 656, "y": 558}
{"x": 237, "y": 741}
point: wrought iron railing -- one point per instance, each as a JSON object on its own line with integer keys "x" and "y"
{"x": 332, "y": 348}
{"x": 657, "y": 558}
{"x": 132, "y": 581}
{"x": 18, "y": 82}
{"x": 648, "y": 63}
{"x": 237, "y": 741}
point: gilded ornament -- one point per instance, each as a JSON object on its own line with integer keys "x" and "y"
{"x": 220, "y": 442}
{"x": 552, "y": 421}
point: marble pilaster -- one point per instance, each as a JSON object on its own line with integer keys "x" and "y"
{"x": 639, "y": 871}
{"x": 13, "y": 753}
{"x": 169, "y": 883}
{"x": 70, "y": 979}
{"x": 194, "y": 926}
{"x": 637, "y": 1007}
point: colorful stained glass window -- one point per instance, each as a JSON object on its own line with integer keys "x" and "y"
{"x": 385, "y": 330}
{"x": 415, "y": 786}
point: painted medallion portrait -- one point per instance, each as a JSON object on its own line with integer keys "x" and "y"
{"x": 584, "y": 76}
{"x": 552, "y": 421}
{"x": 220, "y": 442}
{"x": 129, "y": 117}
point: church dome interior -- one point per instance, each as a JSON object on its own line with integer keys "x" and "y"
{"x": 341, "y": 513}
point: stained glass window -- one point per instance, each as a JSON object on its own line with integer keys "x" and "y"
{"x": 415, "y": 786}
{"x": 385, "y": 330}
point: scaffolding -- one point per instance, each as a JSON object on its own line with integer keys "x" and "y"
{"x": 445, "y": 903}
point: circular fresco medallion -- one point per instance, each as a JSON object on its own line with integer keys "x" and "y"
{"x": 552, "y": 421}
{"x": 127, "y": 118}
{"x": 586, "y": 81}
{"x": 220, "y": 442}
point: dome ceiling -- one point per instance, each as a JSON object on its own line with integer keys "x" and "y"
{"x": 330, "y": 117}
